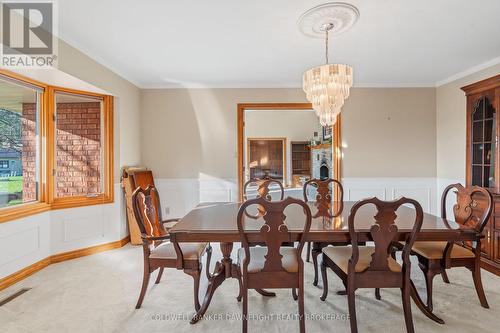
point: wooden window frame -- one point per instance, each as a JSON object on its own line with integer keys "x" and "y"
{"x": 107, "y": 145}
{"x": 336, "y": 147}
{"x": 46, "y": 198}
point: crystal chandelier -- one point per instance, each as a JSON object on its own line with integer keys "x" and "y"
{"x": 327, "y": 86}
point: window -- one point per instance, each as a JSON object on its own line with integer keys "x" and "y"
{"x": 19, "y": 142}
{"x": 82, "y": 149}
{"x": 79, "y": 134}
{"x": 56, "y": 147}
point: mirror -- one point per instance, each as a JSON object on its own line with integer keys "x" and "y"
{"x": 285, "y": 143}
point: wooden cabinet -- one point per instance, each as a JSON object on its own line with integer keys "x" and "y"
{"x": 483, "y": 158}
{"x": 301, "y": 162}
{"x": 496, "y": 247}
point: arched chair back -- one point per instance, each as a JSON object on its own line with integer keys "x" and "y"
{"x": 263, "y": 188}
{"x": 147, "y": 211}
{"x": 324, "y": 195}
{"x": 157, "y": 251}
{"x": 467, "y": 211}
{"x": 384, "y": 233}
{"x": 274, "y": 231}
{"x": 263, "y": 191}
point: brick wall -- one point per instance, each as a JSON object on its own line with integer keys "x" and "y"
{"x": 28, "y": 157}
{"x": 78, "y": 149}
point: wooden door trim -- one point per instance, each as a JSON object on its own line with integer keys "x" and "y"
{"x": 241, "y": 107}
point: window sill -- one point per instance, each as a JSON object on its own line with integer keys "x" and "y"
{"x": 23, "y": 210}
{"x": 81, "y": 201}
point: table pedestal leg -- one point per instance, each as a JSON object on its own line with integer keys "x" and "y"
{"x": 224, "y": 269}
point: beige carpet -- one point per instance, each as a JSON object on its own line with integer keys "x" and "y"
{"x": 98, "y": 294}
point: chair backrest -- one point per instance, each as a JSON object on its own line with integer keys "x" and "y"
{"x": 263, "y": 188}
{"x": 147, "y": 211}
{"x": 464, "y": 208}
{"x": 384, "y": 232}
{"x": 274, "y": 231}
{"x": 324, "y": 196}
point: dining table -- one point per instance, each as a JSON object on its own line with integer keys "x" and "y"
{"x": 215, "y": 222}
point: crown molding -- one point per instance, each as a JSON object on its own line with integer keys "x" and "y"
{"x": 275, "y": 86}
{"x": 467, "y": 72}
{"x": 106, "y": 64}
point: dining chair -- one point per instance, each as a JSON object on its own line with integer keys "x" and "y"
{"x": 263, "y": 191}
{"x": 263, "y": 188}
{"x": 373, "y": 266}
{"x": 272, "y": 265}
{"x": 323, "y": 200}
{"x": 158, "y": 252}
{"x": 435, "y": 257}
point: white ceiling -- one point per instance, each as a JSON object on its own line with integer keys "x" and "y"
{"x": 228, "y": 43}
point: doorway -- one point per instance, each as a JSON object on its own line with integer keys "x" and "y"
{"x": 273, "y": 136}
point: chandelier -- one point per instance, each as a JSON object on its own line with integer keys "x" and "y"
{"x": 327, "y": 86}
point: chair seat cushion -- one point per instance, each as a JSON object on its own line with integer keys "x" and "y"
{"x": 340, "y": 255}
{"x": 289, "y": 261}
{"x": 435, "y": 250}
{"x": 190, "y": 251}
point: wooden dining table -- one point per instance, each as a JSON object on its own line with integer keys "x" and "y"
{"x": 216, "y": 223}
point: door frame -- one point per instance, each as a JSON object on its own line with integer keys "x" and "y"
{"x": 241, "y": 107}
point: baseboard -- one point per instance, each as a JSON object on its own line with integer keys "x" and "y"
{"x": 23, "y": 273}
{"x": 88, "y": 250}
{"x": 27, "y": 271}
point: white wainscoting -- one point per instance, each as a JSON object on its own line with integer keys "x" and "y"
{"x": 421, "y": 189}
{"x": 179, "y": 196}
{"x": 24, "y": 242}
{"x": 28, "y": 240}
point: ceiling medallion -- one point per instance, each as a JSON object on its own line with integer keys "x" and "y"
{"x": 328, "y": 86}
{"x": 342, "y": 15}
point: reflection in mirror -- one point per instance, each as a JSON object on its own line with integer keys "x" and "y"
{"x": 286, "y": 145}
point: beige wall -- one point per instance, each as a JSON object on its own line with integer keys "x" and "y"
{"x": 191, "y": 133}
{"x": 297, "y": 125}
{"x": 451, "y": 124}
{"x": 127, "y": 102}
{"x": 389, "y": 132}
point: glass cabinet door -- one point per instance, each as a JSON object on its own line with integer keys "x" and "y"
{"x": 483, "y": 136}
